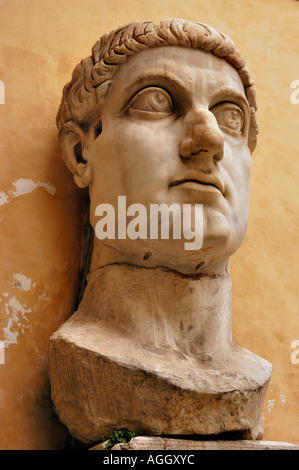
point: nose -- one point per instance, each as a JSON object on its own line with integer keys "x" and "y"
{"x": 202, "y": 135}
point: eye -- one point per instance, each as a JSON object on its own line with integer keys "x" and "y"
{"x": 230, "y": 117}
{"x": 153, "y": 103}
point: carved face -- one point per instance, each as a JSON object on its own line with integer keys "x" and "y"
{"x": 174, "y": 130}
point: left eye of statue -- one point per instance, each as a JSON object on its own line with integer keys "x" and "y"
{"x": 152, "y": 101}
{"x": 230, "y": 117}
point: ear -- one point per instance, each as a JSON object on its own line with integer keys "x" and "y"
{"x": 71, "y": 141}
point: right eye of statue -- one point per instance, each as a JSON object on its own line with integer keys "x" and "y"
{"x": 152, "y": 103}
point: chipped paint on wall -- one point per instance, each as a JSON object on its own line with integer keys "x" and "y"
{"x": 3, "y": 198}
{"x": 43, "y": 296}
{"x": 23, "y": 282}
{"x": 17, "y": 314}
{"x": 24, "y": 186}
{"x": 16, "y": 311}
{"x": 271, "y": 404}
{"x": 282, "y": 397}
{"x": 2, "y": 352}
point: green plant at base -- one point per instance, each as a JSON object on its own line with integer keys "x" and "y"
{"x": 118, "y": 436}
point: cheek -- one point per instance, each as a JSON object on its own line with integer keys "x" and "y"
{"x": 141, "y": 148}
{"x": 145, "y": 137}
{"x": 238, "y": 167}
{"x": 133, "y": 159}
{"x": 237, "y": 164}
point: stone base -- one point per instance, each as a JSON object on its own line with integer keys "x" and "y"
{"x": 101, "y": 383}
{"x": 162, "y": 443}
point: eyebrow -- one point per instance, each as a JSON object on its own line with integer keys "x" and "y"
{"x": 226, "y": 91}
{"x": 151, "y": 78}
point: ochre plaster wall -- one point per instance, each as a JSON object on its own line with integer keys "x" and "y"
{"x": 41, "y": 42}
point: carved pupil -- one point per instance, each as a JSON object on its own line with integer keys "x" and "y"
{"x": 153, "y": 101}
{"x": 232, "y": 119}
{"x": 158, "y": 102}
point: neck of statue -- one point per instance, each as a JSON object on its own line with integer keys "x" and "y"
{"x": 161, "y": 309}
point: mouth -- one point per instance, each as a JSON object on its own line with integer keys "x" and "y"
{"x": 210, "y": 181}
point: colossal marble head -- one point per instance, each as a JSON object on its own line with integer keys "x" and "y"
{"x": 159, "y": 116}
{"x": 163, "y": 114}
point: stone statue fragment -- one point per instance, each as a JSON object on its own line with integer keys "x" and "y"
{"x": 160, "y": 124}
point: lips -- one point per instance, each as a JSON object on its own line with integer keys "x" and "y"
{"x": 200, "y": 179}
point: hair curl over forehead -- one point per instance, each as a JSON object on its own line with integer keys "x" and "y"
{"x": 84, "y": 94}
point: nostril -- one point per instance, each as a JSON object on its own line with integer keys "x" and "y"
{"x": 188, "y": 150}
{"x": 197, "y": 151}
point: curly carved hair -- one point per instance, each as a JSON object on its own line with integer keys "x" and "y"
{"x": 91, "y": 78}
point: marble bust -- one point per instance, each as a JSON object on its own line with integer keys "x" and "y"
{"x": 159, "y": 115}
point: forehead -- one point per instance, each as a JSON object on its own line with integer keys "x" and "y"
{"x": 187, "y": 68}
